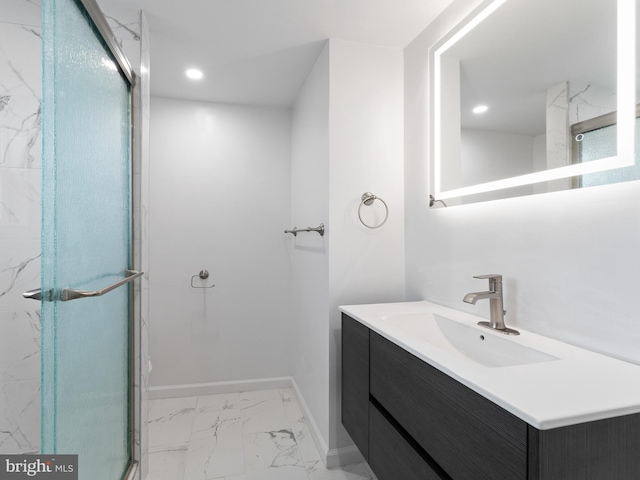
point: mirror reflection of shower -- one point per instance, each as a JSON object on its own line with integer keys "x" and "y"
{"x": 508, "y": 98}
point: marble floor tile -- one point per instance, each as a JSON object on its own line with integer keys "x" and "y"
{"x": 252, "y": 398}
{"x": 170, "y": 420}
{"x": 216, "y": 403}
{"x": 257, "y": 435}
{"x": 167, "y": 463}
{"x": 291, "y": 406}
{"x": 273, "y": 456}
{"x": 307, "y": 446}
{"x": 216, "y": 446}
{"x": 263, "y": 413}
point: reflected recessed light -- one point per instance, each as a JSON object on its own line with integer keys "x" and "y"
{"x": 109, "y": 64}
{"x": 193, "y": 73}
{"x": 480, "y": 109}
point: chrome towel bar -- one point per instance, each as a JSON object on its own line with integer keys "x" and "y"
{"x": 295, "y": 230}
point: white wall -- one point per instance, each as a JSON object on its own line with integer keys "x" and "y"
{"x": 347, "y": 140}
{"x": 487, "y": 156}
{"x": 309, "y": 251}
{"x": 220, "y": 200}
{"x": 366, "y": 155}
{"x": 569, "y": 259}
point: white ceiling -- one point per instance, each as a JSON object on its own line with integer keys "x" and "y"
{"x": 521, "y": 50}
{"x": 259, "y": 52}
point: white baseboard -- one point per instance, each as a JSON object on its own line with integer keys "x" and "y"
{"x": 333, "y": 458}
{"x": 312, "y": 426}
{"x": 338, "y": 457}
{"x": 214, "y": 388}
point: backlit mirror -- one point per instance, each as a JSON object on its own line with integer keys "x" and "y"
{"x": 534, "y": 96}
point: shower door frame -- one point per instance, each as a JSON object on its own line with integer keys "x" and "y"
{"x": 135, "y": 361}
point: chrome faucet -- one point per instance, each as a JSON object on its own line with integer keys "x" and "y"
{"x": 497, "y": 312}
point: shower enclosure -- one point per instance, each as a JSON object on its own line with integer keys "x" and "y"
{"x": 86, "y": 243}
{"x": 91, "y": 335}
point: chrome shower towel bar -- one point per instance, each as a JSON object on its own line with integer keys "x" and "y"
{"x": 295, "y": 230}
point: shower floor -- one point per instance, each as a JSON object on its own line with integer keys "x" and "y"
{"x": 259, "y": 435}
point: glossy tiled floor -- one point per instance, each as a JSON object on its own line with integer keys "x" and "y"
{"x": 257, "y": 435}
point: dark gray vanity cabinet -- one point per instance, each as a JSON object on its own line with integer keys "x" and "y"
{"x": 411, "y": 421}
{"x": 355, "y": 382}
{"x": 466, "y": 434}
{"x": 392, "y": 455}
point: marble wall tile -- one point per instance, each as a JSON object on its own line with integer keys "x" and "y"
{"x": 20, "y": 345}
{"x": 26, "y": 12}
{"x": 125, "y": 24}
{"x": 143, "y": 239}
{"x": 19, "y": 204}
{"x": 20, "y": 417}
{"x": 589, "y": 101}
{"x": 19, "y": 271}
{"x": 20, "y": 95}
{"x": 20, "y": 150}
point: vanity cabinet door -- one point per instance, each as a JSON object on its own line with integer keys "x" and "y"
{"x": 392, "y": 457}
{"x": 355, "y": 382}
{"x": 469, "y": 436}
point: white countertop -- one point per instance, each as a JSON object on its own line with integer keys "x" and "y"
{"x": 579, "y": 386}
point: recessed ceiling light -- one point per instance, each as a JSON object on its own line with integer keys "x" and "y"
{"x": 193, "y": 73}
{"x": 480, "y": 109}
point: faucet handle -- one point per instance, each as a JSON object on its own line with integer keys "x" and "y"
{"x": 495, "y": 281}
{"x": 490, "y": 276}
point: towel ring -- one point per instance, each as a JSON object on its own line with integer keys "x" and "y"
{"x": 367, "y": 199}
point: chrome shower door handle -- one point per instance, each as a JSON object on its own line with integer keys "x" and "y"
{"x": 72, "y": 294}
{"x": 36, "y": 294}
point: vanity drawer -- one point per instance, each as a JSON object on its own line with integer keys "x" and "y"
{"x": 467, "y": 435}
{"x": 392, "y": 456}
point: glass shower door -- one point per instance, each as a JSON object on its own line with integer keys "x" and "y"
{"x": 86, "y": 246}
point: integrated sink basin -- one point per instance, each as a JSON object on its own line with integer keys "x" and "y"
{"x": 473, "y": 344}
{"x": 546, "y": 383}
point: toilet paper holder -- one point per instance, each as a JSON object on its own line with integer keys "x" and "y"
{"x": 204, "y": 274}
